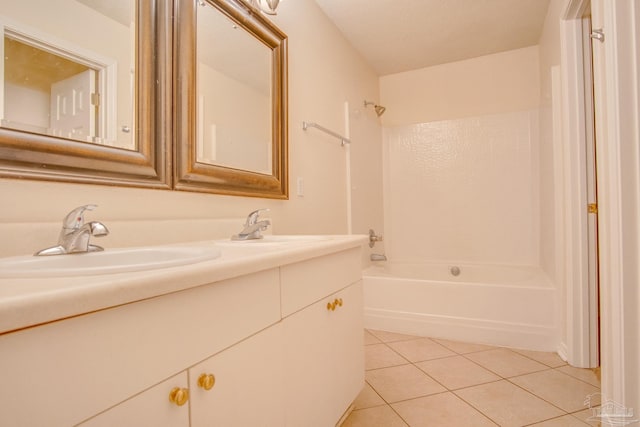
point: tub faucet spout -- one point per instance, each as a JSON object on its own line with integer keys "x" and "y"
{"x": 378, "y": 257}
{"x": 253, "y": 227}
{"x": 76, "y": 234}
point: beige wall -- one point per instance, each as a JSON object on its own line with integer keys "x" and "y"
{"x": 324, "y": 72}
{"x": 489, "y": 84}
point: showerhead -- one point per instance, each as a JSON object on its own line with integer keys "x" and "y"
{"x": 379, "y": 109}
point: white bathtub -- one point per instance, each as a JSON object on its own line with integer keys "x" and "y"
{"x": 510, "y": 306}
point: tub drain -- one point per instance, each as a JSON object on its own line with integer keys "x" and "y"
{"x": 455, "y": 270}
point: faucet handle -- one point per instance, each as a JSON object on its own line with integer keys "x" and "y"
{"x": 75, "y": 218}
{"x": 252, "y": 218}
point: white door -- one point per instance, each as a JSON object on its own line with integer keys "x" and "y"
{"x": 247, "y": 388}
{"x": 592, "y": 198}
{"x": 73, "y": 115}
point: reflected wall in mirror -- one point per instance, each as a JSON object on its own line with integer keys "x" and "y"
{"x": 79, "y": 90}
{"x": 231, "y": 100}
{"x": 233, "y": 94}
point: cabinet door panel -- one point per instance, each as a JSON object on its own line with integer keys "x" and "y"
{"x": 103, "y": 358}
{"x": 324, "y": 359}
{"x": 150, "y": 408}
{"x": 347, "y": 334}
{"x": 248, "y": 384}
{"x": 306, "y": 282}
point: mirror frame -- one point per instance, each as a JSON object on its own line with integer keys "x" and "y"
{"x": 189, "y": 175}
{"x": 42, "y": 157}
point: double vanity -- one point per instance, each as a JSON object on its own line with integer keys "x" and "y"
{"x": 264, "y": 332}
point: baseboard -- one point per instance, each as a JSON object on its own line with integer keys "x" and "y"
{"x": 562, "y": 351}
{"x": 504, "y": 334}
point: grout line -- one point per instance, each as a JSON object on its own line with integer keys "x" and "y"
{"x": 599, "y": 387}
{"x": 453, "y": 391}
{"x": 533, "y": 394}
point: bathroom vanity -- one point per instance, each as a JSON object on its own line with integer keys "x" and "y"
{"x": 268, "y": 334}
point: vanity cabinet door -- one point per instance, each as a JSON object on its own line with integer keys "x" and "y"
{"x": 152, "y": 407}
{"x": 244, "y": 384}
{"x": 324, "y": 359}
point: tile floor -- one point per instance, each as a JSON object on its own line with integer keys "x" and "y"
{"x": 415, "y": 381}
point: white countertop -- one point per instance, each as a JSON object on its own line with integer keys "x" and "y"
{"x": 27, "y": 302}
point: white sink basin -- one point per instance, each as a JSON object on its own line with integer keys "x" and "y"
{"x": 278, "y": 240}
{"x": 109, "y": 261}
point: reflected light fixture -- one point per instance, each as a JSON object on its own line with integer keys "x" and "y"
{"x": 265, "y": 6}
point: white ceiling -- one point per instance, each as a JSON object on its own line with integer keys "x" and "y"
{"x": 119, "y": 10}
{"x": 401, "y": 35}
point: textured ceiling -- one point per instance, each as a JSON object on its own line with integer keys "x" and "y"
{"x": 401, "y": 35}
{"x": 119, "y": 10}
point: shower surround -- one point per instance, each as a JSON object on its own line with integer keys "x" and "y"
{"x": 464, "y": 192}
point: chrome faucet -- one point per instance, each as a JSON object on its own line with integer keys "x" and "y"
{"x": 75, "y": 234}
{"x": 253, "y": 227}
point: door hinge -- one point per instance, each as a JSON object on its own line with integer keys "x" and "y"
{"x": 592, "y": 208}
{"x": 95, "y": 99}
{"x": 598, "y": 35}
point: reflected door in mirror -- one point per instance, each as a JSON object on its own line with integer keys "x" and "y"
{"x": 69, "y": 69}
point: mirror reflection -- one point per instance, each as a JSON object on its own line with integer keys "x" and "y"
{"x": 68, "y": 69}
{"x": 234, "y": 97}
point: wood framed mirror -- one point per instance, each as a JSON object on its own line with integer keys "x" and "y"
{"x": 230, "y": 100}
{"x": 84, "y": 94}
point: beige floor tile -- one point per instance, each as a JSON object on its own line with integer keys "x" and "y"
{"x": 402, "y": 383}
{"x": 421, "y": 349}
{"x": 565, "y": 421}
{"x": 505, "y": 362}
{"x": 507, "y": 404}
{"x": 440, "y": 410}
{"x": 457, "y": 372}
{"x": 369, "y": 338}
{"x": 463, "y": 347}
{"x": 368, "y": 398}
{"x": 587, "y": 375}
{"x": 563, "y": 391}
{"x": 385, "y": 336}
{"x": 549, "y": 359}
{"x": 381, "y": 356}
{"x": 586, "y": 415}
{"x": 380, "y": 416}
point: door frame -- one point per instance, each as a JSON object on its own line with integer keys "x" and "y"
{"x": 617, "y": 116}
{"x": 616, "y": 68}
{"x": 581, "y": 347}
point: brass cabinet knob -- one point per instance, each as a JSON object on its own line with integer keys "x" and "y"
{"x": 179, "y": 396}
{"x": 206, "y": 381}
{"x": 336, "y": 303}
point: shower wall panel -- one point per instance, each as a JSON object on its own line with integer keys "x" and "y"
{"x": 463, "y": 190}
